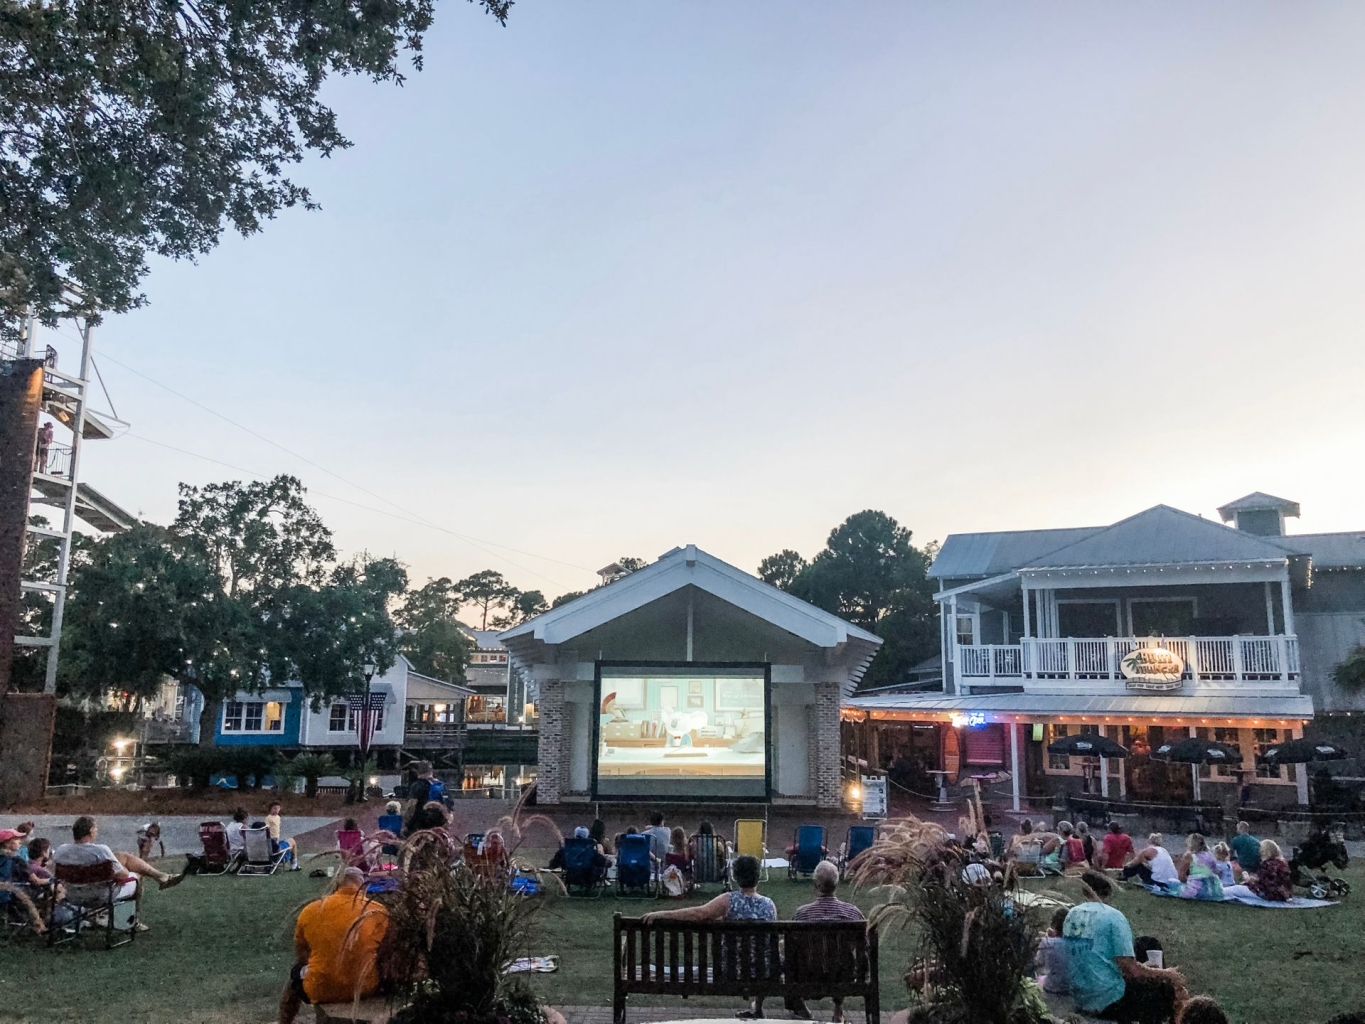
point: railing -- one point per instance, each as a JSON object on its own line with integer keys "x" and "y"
{"x": 166, "y": 731}
{"x": 1211, "y": 659}
{"x": 55, "y": 461}
{"x": 434, "y": 735}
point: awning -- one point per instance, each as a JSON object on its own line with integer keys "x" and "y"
{"x": 997, "y": 705}
{"x": 429, "y": 690}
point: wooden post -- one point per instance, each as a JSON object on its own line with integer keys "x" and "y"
{"x": 1014, "y": 763}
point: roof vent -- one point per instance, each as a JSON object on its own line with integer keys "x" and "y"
{"x": 1259, "y": 513}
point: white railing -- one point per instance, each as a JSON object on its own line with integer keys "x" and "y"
{"x": 1218, "y": 658}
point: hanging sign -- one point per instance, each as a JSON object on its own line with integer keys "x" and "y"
{"x": 1152, "y": 665}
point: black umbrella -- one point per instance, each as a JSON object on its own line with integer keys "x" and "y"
{"x": 1087, "y": 744}
{"x": 1193, "y": 750}
{"x": 1302, "y": 751}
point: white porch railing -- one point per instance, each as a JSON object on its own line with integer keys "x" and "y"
{"x": 1219, "y": 658}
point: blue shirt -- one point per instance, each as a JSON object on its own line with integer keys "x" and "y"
{"x": 1096, "y": 934}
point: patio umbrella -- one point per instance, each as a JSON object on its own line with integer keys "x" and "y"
{"x": 1087, "y": 744}
{"x": 1194, "y": 751}
{"x": 1302, "y": 751}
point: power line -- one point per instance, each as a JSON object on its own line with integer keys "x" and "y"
{"x": 368, "y": 508}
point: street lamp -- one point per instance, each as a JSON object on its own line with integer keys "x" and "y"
{"x": 364, "y": 722}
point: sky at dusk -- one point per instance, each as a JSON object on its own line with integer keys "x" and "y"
{"x": 623, "y": 276}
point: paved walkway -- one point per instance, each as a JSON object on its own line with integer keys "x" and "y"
{"x": 180, "y": 833}
{"x": 687, "y": 1010}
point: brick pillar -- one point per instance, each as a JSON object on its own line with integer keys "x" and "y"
{"x": 825, "y": 742}
{"x": 550, "y": 770}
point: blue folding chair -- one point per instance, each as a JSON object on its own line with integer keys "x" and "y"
{"x": 859, "y": 839}
{"x": 808, "y": 851}
{"x": 584, "y": 873}
{"x": 636, "y": 874}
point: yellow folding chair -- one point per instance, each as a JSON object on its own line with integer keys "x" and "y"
{"x": 751, "y": 839}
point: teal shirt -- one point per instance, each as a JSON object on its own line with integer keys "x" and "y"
{"x": 1246, "y": 850}
{"x": 1096, "y": 933}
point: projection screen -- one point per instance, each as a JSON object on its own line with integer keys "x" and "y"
{"x": 682, "y": 731}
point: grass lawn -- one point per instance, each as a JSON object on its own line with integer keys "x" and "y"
{"x": 219, "y": 951}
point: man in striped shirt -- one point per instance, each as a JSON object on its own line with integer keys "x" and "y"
{"x": 828, "y": 907}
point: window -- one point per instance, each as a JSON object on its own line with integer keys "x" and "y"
{"x": 274, "y": 716}
{"x": 336, "y": 718}
{"x": 1058, "y": 762}
{"x": 1262, "y": 738}
{"x": 253, "y": 716}
{"x": 1233, "y": 738}
{"x": 966, "y": 630}
{"x": 232, "y": 716}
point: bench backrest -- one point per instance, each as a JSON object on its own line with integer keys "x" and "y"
{"x": 812, "y": 959}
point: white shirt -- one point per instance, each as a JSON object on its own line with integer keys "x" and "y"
{"x": 1163, "y": 868}
{"x": 84, "y": 855}
{"x": 236, "y": 841}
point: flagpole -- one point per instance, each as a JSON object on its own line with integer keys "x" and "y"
{"x": 366, "y": 722}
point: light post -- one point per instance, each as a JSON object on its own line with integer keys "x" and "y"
{"x": 364, "y": 722}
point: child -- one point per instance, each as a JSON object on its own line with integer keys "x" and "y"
{"x": 285, "y": 847}
{"x": 1053, "y": 968}
{"x": 1222, "y": 863}
{"x": 677, "y": 851}
{"x": 149, "y": 835}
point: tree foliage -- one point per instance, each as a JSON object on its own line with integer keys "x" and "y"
{"x": 489, "y": 594}
{"x": 432, "y": 638}
{"x": 872, "y": 575}
{"x": 1350, "y": 674}
{"x": 572, "y": 595}
{"x": 132, "y": 127}
{"x": 527, "y": 604}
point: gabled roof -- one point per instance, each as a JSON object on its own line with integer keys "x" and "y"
{"x": 690, "y": 566}
{"x": 484, "y": 639}
{"x": 1329, "y": 550}
{"x": 967, "y": 555}
{"x": 423, "y": 687}
{"x": 1163, "y": 536}
{"x": 1258, "y": 501}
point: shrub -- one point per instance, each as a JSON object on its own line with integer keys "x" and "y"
{"x": 313, "y": 767}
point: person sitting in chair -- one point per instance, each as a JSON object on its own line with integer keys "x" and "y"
{"x": 84, "y": 852}
{"x": 336, "y": 947}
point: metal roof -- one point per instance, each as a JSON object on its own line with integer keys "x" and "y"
{"x": 966, "y": 555}
{"x": 1163, "y": 536}
{"x": 1329, "y": 550}
{"x": 1052, "y": 704}
{"x": 1258, "y": 501}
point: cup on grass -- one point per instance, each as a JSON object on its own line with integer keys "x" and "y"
{"x": 1155, "y": 958}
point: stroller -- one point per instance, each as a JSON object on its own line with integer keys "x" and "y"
{"x": 808, "y": 850}
{"x": 635, "y": 873}
{"x": 1307, "y": 865}
{"x": 859, "y": 839}
{"x": 584, "y": 873}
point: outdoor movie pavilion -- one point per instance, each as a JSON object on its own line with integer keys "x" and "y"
{"x": 690, "y": 680}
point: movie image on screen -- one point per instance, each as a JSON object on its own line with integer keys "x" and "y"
{"x": 682, "y": 734}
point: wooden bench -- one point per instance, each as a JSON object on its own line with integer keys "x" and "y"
{"x": 806, "y": 960}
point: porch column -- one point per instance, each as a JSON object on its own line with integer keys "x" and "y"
{"x": 1028, "y": 623}
{"x": 1287, "y": 602}
{"x": 1194, "y": 768}
{"x": 1269, "y": 610}
{"x": 1014, "y": 762}
{"x": 1104, "y": 777}
{"x": 1300, "y": 770}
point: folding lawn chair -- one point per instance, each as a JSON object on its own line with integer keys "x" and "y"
{"x": 393, "y": 825}
{"x": 259, "y": 856}
{"x": 217, "y": 858}
{"x": 636, "y": 874}
{"x": 707, "y": 853}
{"x": 584, "y": 874}
{"x": 808, "y": 850}
{"x": 859, "y": 839}
{"x": 486, "y": 855}
{"x": 751, "y": 840}
{"x": 351, "y": 843}
{"x": 96, "y": 897}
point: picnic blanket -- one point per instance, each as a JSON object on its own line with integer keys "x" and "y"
{"x": 533, "y": 965}
{"x": 1295, "y": 903}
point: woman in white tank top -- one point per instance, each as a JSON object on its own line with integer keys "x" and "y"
{"x": 1153, "y": 864}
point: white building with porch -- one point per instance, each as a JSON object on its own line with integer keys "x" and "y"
{"x": 1161, "y": 625}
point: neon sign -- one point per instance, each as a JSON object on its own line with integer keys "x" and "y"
{"x": 970, "y": 720}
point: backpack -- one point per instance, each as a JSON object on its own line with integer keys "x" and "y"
{"x": 436, "y": 791}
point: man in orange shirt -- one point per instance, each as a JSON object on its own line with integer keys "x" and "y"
{"x": 337, "y": 958}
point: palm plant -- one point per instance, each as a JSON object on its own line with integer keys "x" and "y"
{"x": 313, "y": 767}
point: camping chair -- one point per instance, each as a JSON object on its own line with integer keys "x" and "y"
{"x": 751, "y": 839}
{"x": 584, "y": 874}
{"x": 858, "y": 840}
{"x": 636, "y": 874}
{"x": 392, "y": 824}
{"x": 258, "y": 855}
{"x": 216, "y": 859}
{"x": 351, "y": 843}
{"x": 95, "y": 897}
{"x": 709, "y": 866}
{"x": 486, "y": 855}
{"x": 808, "y": 850}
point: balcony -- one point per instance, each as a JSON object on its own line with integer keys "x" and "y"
{"x": 1094, "y": 665}
{"x": 434, "y": 736}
